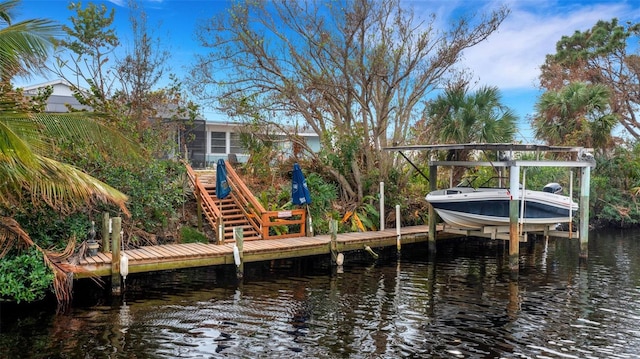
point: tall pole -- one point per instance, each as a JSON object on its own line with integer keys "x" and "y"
{"x": 106, "y": 241}
{"x": 585, "y": 183}
{"x": 333, "y": 244}
{"x": 433, "y": 179}
{"x": 398, "y": 243}
{"x": 116, "y": 242}
{"x": 382, "y": 206}
{"x": 238, "y": 235}
{"x": 514, "y": 240}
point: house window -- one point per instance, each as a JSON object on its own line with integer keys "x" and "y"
{"x": 218, "y": 142}
{"x": 236, "y": 144}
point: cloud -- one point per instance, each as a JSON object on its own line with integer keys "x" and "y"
{"x": 120, "y": 3}
{"x": 511, "y": 58}
{"x": 124, "y": 3}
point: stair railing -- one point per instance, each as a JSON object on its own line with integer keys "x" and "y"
{"x": 261, "y": 219}
{"x": 249, "y": 205}
{"x": 211, "y": 211}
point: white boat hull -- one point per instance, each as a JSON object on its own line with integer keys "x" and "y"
{"x": 467, "y": 208}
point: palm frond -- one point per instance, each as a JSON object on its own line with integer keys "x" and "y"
{"x": 57, "y": 184}
{"x": 13, "y": 236}
{"x": 24, "y": 46}
{"x": 88, "y": 128}
{"x": 6, "y": 9}
{"x": 63, "y": 186}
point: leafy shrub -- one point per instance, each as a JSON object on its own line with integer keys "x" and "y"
{"x": 50, "y": 229}
{"x": 155, "y": 190}
{"x": 192, "y": 235}
{"x": 25, "y": 277}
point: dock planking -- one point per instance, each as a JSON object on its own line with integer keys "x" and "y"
{"x": 178, "y": 256}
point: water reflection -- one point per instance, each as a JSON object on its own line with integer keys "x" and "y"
{"x": 462, "y": 303}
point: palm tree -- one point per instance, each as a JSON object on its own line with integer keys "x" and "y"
{"x": 25, "y": 45}
{"x": 460, "y": 117}
{"x": 27, "y": 171}
{"x": 27, "y": 140}
{"x": 577, "y": 114}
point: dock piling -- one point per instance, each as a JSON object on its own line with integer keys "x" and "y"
{"x": 585, "y": 183}
{"x": 398, "y": 244}
{"x": 382, "y": 206}
{"x": 333, "y": 230}
{"x": 116, "y": 242}
{"x": 238, "y": 236}
{"x": 514, "y": 240}
{"x": 220, "y": 231}
{"x": 433, "y": 181}
{"x": 106, "y": 241}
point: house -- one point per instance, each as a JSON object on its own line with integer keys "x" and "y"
{"x": 61, "y": 97}
{"x": 205, "y": 140}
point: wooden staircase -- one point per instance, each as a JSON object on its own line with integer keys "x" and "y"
{"x": 242, "y": 210}
{"x": 232, "y": 213}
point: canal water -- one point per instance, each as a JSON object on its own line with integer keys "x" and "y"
{"x": 464, "y": 303}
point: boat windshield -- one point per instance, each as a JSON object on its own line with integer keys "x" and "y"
{"x": 476, "y": 182}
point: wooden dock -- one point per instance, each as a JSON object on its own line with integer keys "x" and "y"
{"x": 178, "y": 256}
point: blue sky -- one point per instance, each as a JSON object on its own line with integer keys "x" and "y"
{"x": 509, "y": 59}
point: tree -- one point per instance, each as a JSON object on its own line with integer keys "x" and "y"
{"x": 576, "y": 115}
{"x": 24, "y": 45}
{"x": 460, "y": 117}
{"x": 140, "y": 71}
{"x": 28, "y": 172}
{"x": 91, "y": 40}
{"x": 601, "y": 55}
{"x": 24, "y": 48}
{"x": 126, "y": 89}
{"x": 26, "y": 139}
{"x": 29, "y": 141}
{"x": 354, "y": 72}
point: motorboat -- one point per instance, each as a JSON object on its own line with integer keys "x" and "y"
{"x": 467, "y": 207}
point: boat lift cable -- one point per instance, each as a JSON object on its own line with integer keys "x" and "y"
{"x": 414, "y": 166}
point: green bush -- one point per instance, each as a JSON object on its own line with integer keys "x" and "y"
{"x": 192, "y": 235}
{"x": 50, "y": 229}
{"x": 25, "y": 277}
{"x": 155, "y": 190}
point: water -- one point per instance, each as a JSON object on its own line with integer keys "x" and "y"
{"x": 463, "y": 304}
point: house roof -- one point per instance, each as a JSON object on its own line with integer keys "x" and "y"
{"x": 63, "y": 95}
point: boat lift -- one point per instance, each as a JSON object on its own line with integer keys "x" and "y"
{"x": 581, "y": 158}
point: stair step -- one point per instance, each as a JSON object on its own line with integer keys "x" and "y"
{"x": 233, "y": 215}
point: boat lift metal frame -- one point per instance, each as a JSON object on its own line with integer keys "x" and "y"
{"x": 583, "y": 160}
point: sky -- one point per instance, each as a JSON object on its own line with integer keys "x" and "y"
{"x": 509, "y": 59}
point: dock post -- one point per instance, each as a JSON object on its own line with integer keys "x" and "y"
{"x": 514, "y": 238}
{"x": 333, "y": 230}
{"x": 238, "y": 236}
{"x": 433, "y": 185}
{"x": 585, "y": 182}
{"x": 106, "y": 241}
{"x": 220, "y": 233}
{"x": 398, "y": 244}
{"x": 382, "y": 206}
{"x": 116, "y": 242}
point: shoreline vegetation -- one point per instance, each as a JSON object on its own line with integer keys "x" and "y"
{"x": 61, "y": 171}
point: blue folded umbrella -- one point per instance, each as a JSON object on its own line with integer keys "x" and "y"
{"x": 222, "y": 186}
{"x": 299, "y": 190}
